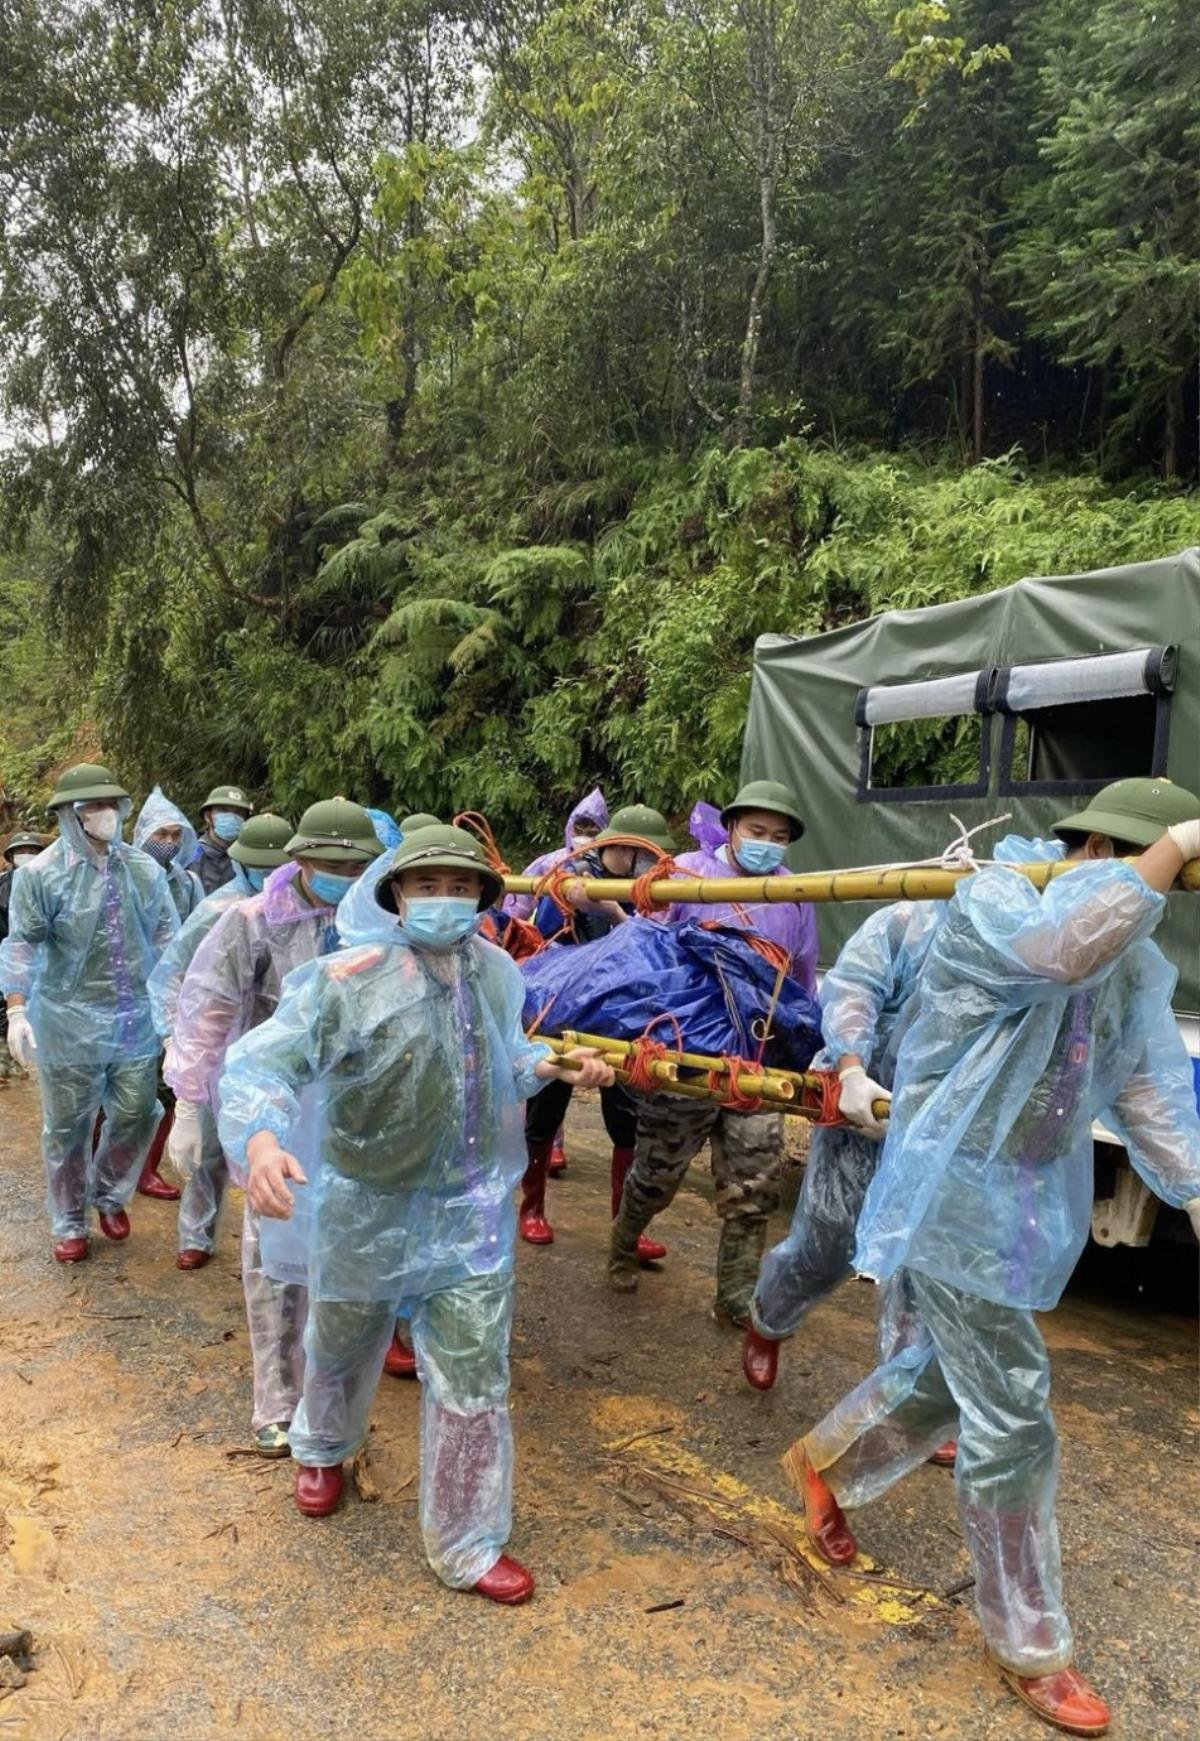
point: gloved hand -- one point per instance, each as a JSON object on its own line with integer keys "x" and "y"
{"x": 1186, "y": 836}
{"x": 21, "y": 1041}
{"x": 858, "y": 1092}
{"x": 183, "y": 1144}
{"x": 1192, "y": 1211}
{"x": 168, "y": 1055}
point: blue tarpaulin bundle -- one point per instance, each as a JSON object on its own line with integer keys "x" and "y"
{"x": 711, "y": 979}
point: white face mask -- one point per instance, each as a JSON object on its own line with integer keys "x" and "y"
{"x": 101, "y": 824}
{"x": 20, "y": 858}
{"x": 581, "y": 842}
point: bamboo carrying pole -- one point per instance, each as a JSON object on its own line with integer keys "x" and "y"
{"x": 930, "y": 883}
{"x": 775, "y": 1088}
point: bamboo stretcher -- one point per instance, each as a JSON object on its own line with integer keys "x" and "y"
{"x": 928, "y": 883}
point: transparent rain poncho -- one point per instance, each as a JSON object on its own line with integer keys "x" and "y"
{"x": 867, "y": 1002}
{"x": 793, "y": 924}
{"x": 1038, "y": 1013}
{"x": 419, "y": 1068}
{"x": 423, "y": 1069}
{"x": 85, "y": 930}
{"x": 187, "y": 891}
{"x": 169, "y": 971}
{"x": 593, "y": 807}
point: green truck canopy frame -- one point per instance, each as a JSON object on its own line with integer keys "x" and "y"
{"x": 1044, "y": 690}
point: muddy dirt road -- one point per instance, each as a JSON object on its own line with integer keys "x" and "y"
{"x": 173, "y": 1591}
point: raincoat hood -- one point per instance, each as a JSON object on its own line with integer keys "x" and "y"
{"x": 593, "y": 806}
{"x": 76, "y": 842}
{"x": 361, "y": 919}
{"x": 159, "y": 812}
{"x": 386, "y": 828}
{"x": 706, "y": 828}
{"x": 1017, "y": 849}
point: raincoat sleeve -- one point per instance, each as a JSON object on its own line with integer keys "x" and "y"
{"x": 217, "y": 989}
{"x": 268, "y": 1068}
{"x": 1023, "y": 946}
{"x": 525, "y": 1054}
{"x": 862, "y": 981}
{"x": 166, "y": 980}
{"x": 804, "y": 959}
{"x": 29, "y": 926}
{"x": 162, "y": 918}
{"x": 1156, "y": 1118}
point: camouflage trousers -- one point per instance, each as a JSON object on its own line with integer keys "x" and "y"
{"x": 747, "y": 1159}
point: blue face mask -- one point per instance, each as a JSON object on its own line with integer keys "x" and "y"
{"x": 758, "y": 858}
{"x": 256, "y": 878}
{"x": 227, "y": 824}
{"x": 440, "y": 921}
{"x": 326, "y": 887}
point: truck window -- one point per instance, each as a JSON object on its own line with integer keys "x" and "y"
{"x": 1072, "y": 725}
{"x": 927, "y": 740}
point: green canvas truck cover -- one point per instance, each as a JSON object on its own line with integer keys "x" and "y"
{"x": 1044, "y": 690}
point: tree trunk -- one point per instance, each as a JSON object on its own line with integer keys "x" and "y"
{"x": 977, "y": 378}
{"x": 1171, "y": 432}
{"x": 754, "y": 314}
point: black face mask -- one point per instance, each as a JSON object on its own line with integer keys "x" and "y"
{"x": 165, "y": 851}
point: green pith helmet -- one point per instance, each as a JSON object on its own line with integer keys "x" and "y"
{"x": 87, "y": 780}
{"x": 767, "y": 795}
{"x": 419, "y": 819}
{"x": 640, "y": 820}
{"x": 263, "y": 842}
{"x": 442, "y": 847}
{"x": 1136, "y": 810}
{"x": 227, "y": 798}
{"x": 19, "y": 840}
{"x": 337, "y": 830}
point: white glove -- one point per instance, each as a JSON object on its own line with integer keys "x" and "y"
{"x": 21, "y": 1041}
{"x": 1192, "y": 1211}
{"x": 183, "y": 1144}
{"x": 858, "y": 1093}
{"x": 1186, "y": 836}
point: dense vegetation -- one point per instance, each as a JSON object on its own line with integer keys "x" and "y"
{"x": 433, "y": 402}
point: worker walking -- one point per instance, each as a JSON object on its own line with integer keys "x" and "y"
{"x": 88, "y": 918}
{"x": 1037, "y": 1013}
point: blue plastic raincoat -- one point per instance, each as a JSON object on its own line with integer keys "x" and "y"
{"x": 1038, "y": 1013}
{"x": 171, "y": 968}
{"x": 868, "y": 1001}
{"x": 187, "y": 891}
{"x": 85, "y": 930}
{"x": 422, "y": 1069}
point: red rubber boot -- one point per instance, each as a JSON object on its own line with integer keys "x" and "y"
{"x": 760, "y": 1359}
{"x": 824, "y": 1523}
{"x": 318, "y": 1491}
{"x": 400, "y": 1361}
{"x": 149, "y": 1183}
{"x": 507, "y": 1582}
{"x": 945, "y": 1455}
{"x": 1064, "y": 1700}
{"x": 558, "y": 1155}
{"x": 648, "y": 1250}
{"x": 531, "y": 1217}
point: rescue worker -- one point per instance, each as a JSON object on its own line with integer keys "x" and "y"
{"x": 233, "y": 984}
{"x": 613, "y": 854}
{"x": 1037, "y": 1013}
{"x": 88, "y": 918}
{"x": 193, "y": 1147}
{"x": 224, "y": 811}
{"x": 407, "y": 1050}
{"x": 868, "y": 1000}
{"x": 20, "y": 850}
{"x": 746, "y": 1147}
{"x": 165, "y": 833}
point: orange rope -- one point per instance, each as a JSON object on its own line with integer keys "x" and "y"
{"x": 553, "y": 883}
{"x": 647, "y": 1051}
{"x": 737, "y": 1100}
{"x": 822, "y": 1095}
{"x": 482, "y": 829}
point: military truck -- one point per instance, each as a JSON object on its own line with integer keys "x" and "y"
{"x": 1021, "y": 702}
